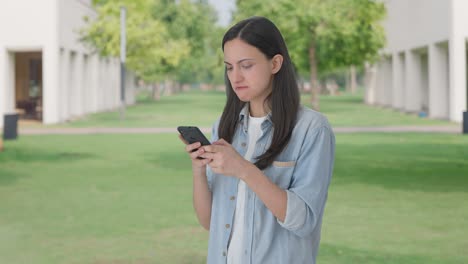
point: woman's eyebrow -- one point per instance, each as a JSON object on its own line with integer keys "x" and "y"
{"x": 239, "y": 61}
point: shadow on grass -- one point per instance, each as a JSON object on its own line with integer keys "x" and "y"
{"x": 410, "y": 166}
{"x": 344, "y": 255}
{"x": 173, "y": 160}
{"x": 35, "y": 155}
{"x": 9, "y": 176}
{"x": 13, "y": 157}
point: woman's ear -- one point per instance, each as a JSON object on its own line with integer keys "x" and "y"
{"x": 277, "y": 62}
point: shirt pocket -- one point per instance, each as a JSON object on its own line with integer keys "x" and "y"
{"x": 280, "y": 173}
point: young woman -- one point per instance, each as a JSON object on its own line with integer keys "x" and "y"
{"x": 260, "y": 188}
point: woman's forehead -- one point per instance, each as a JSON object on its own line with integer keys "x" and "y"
{"x": 236, "y": 51}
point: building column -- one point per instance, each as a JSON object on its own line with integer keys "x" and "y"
{"x": 438, "y": 81}
{"x": 380, "y": 80}
{"x": 387, "y": 82}
{"x": 3, "y": 82}
{"x": 413, "y": 87}
{"x": 398, "y": 80}
{"x": 424, "y": 80}
{"x": 457, "y": 60}
{"x": 78, "y": 85}
{"x": 51, "y": 82}
{"x": 7, "y": 83}
{"x": 72, "y": 85}
{"x": 101, "y": 89}
{"x": 64, "y": 84}
{"x": 94, "y": 82}
{"x": 457, "y": 77}
{"x": 116, "y": 84}
{"x": 370, "y": 83}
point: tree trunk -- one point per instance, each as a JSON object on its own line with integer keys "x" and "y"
{"x": 168, "y": 87}
{"x": 156, "y": 92}
{"x": 353, "y": 80}
{"x": 315, "y": 89}
{"x": 348, "y": 81}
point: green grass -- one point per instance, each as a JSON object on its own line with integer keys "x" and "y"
{"x": 196, "y": 107}
{"x": 349, "y": 110}
{"x": 394, "y": 198}
{"x": 203, "y": 108}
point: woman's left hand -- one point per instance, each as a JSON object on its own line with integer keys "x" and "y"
{"x": 225, "y": 159}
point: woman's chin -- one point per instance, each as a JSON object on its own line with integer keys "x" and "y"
{"x": 243, "y": 98}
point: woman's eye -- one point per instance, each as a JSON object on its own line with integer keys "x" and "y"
{"x": 228, "y": 68}
{"x": 246, "y": 66}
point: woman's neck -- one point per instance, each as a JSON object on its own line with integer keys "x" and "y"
{"x": 258, "y": 110}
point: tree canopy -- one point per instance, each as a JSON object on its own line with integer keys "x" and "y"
{"x": 323, "y": 35}
{"x": 164, "y": 37}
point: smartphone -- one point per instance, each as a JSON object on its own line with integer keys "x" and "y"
{"x": 192, "y": 134}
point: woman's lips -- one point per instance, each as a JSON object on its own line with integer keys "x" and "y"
{"x": 241, "y": 87}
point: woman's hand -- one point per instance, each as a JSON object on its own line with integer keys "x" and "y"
{"x": 224, "y": 159}
{"x": 191, "y": 149}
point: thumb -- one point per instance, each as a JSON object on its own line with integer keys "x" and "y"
{"x": 221, "y": 142}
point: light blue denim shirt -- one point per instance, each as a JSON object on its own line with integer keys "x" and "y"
{"x": 303, "y": 169}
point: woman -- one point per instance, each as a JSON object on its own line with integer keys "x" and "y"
{"x": 260, "y": 188}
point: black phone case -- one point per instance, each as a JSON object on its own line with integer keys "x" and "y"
{"x": 193, "y": 134}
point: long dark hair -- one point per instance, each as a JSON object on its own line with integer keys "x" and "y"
{"x": 284, "y": 98}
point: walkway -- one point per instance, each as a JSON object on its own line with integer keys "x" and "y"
{"x": 143, "y": 130}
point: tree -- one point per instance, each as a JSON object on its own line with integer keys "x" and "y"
{"x": 333, "y": 33}
{"x": 166, "y": 39}
{"x": 195, "y": 22}
{"x": 150, "y": 49}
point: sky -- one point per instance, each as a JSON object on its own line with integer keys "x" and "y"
{"x": 224, "y": 8}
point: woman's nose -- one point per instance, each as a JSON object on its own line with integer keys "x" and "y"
{"x": 237, "y": 75}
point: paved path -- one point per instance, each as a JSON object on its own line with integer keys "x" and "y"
{"x": 143, "y": 130}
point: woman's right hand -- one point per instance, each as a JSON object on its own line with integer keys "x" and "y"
{"x": 189, "y": 148}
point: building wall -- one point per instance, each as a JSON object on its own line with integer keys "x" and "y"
{"x": 19, "y": 35}
{"x": 75, "y": 80}
{"x": 415, "y": 23}
{"x": 427, "y": 73}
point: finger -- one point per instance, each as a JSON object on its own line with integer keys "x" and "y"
{"x": 205, "y": 161}
{"x": 200, "y": 162}
{"x": 197, "y": 153}
{"x": 189, "y": 148}
{"x": 208, "y": 155}
{"x": 213, "y": 148}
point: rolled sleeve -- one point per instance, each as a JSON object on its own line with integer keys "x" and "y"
{"x": 295, "y": 212}
{"x": 309, "y": 189}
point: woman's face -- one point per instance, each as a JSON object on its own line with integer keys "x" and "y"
{"x": 249, "y": 71}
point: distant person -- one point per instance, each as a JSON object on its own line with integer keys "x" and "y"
{"x": 260, "y": 188}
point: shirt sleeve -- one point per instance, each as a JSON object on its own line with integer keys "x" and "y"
{"x": 309, "y": 189}
{"x": 214, "y": 137}
{"x": 295, "y": 212}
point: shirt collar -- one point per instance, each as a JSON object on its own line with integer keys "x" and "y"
{"x": 244, "y": 114}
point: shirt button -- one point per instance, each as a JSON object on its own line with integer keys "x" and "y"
{"x": 228, "y": 225}
{"x": 224, "y": 253}
{"x": 243, "y": 144}
{"x": 233, "y": 198}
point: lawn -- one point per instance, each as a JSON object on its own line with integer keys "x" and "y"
{"x": 394, "y": 198}
{"x": 202, "y": 108}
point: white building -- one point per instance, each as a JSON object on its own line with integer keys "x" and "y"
{"x": 424, "y": 65}
{"x": 45, "y": 72}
